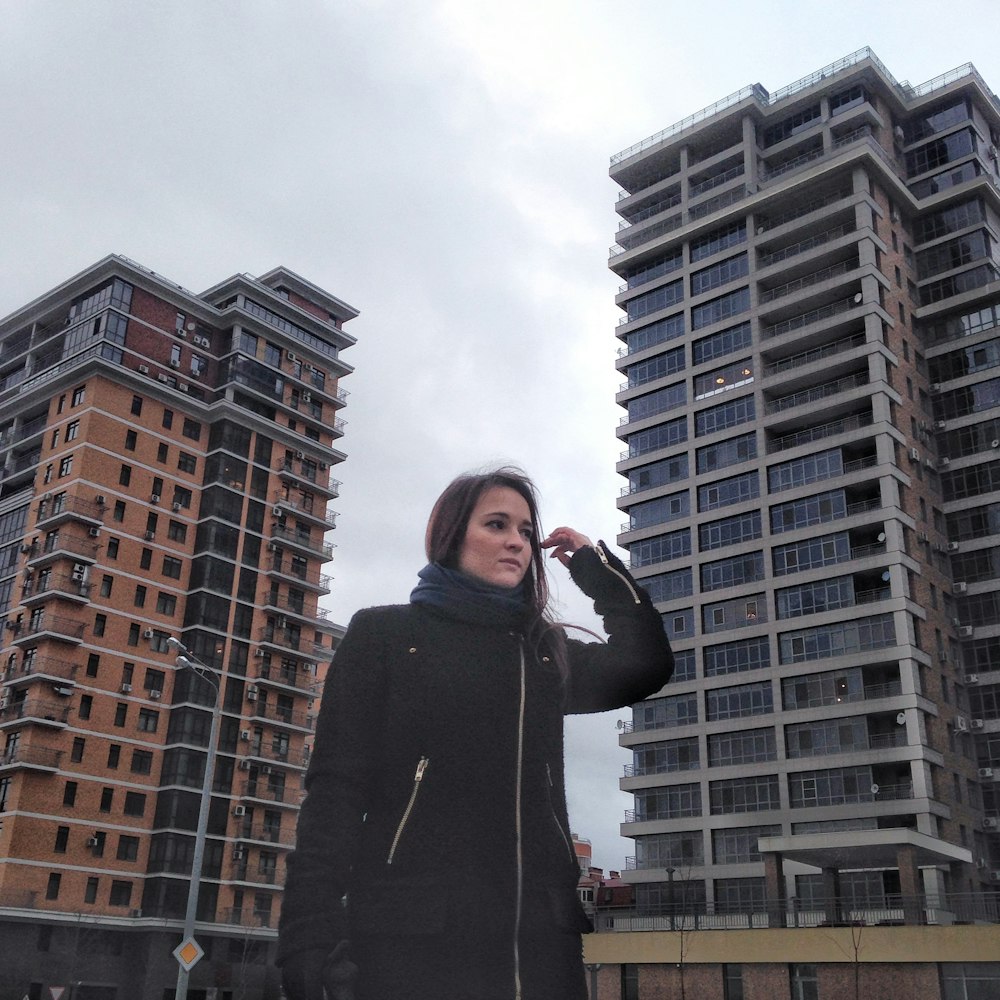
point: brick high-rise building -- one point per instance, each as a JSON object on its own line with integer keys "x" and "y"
{"x": 165, "y": 471}
{"x": 812, "y": 353}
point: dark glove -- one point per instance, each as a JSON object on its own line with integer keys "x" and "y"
{"x": 305, "y": 975}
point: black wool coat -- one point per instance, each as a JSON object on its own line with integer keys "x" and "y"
{"x": 434, "y": 835}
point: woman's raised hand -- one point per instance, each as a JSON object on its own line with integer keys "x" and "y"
{"x": 564, "y": 542}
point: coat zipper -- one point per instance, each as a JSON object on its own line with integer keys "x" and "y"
{"x": 517, "y": 829}
{"x": 621, "y": 576}
{"x": 552, "y": 807}
{"x": 417, "y": 778}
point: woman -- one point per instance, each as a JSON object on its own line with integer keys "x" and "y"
{"x": 434, "y": 858}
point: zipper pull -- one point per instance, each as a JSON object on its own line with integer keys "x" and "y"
{"x": 601, "y": 553}
{"x": 421, "y": 767}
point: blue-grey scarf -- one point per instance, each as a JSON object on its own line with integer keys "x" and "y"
{"x": 461, "y": 596}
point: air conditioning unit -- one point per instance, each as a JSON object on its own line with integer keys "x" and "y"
{"x": 980, "y": 862}
{"x": 78, "y": 575}
{"x": 126, "y": 688}
{"x": 961, "y": 724}
{"x": 239, "y": 854}
{"x": 143, "y": 369}
{"x": 944, "y": 461}
{"x": 244, "y": 765}
{"x": 147, "y": 633}
{"x": 291, "y": 356}
{"x": 276, "y": 511}
{"x": 239, "y": 810}
{"x": 154, "y": 498}
{"x": 300, "y": 455}
{"x": 63, "y": 692}
{"x": 995, "y": 876}
{"x": 245, "y": 734}
{"x": 4, "y": 702}
{"x": 986, "y": 772}
{"x": 94, "y": 532}
{"x": 163, "y": 377}
{"x": 307, "y": 397}
{"x": 175, "y": 363}
{"x": 897, "y": 133}
{"x": 183, "y": 386}
{"x": 936, "y": 387}
{"x": 266, "y": 769}
{"x": 156, "y": 694}
{"x": 100, "y": 500}
{"x": 914, "y": 455}
{"x": 953, "y": 546}
{"x": 181, "y": 333}
{"x": 149, "y": 536}
{"x": 991, "y": 823}
{"x": 961, "y": 587}
{"x": 252, "y": 694}
{"x": 972, "y": 678}
{"x": 93, "y": 841}
{"x": 995, "y": 443}
{"x": 940, "y": 425}
{"x": 175, "y": 507}
{"x": 965, "y": 631}
{"x": 976, "y": 724}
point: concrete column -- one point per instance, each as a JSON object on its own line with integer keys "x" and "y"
{"x": 831, "y": 895}
{"x": 910, "y": 884}
{"x": 774, "y": 890}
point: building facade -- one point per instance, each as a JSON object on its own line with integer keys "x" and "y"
{"x": 165, "y": 472}
{"x": 811, "y": 348}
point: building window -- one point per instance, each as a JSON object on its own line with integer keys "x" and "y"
{"x": 187, "y": 463}
{"x": 140, "y": 596}
{"x": 133, "y": 634}
{"x": 177, "y": 531}
{"x": 131, "y": 437}
{"x": 804, "y": 981}
{"x": 750, "y": 746}
{"x": 136, "y": 406}
{"x": 725, "y": 492}
{"x": 629, "y": 982}
{"x": 78, "y": 395}
{"x": 168, "y": 418}
{"x": 112, "y": 548}
{"x": 121, "y": 712}
{"x": 135, "y": 804}
{"x": 100, "y": 624}
{"x": 191, "y": 429}
{"x": 119, "y": 512}
{"x": 128, "y": 848}
{"x": 52, "y": 888}
{"x": 66, "y": 466}
{"x": 114, "y": 756}
{"x": 107, "y": 799}
{"x": 69, "y": 793}
{"x": 90, "y": 892}
{"x": 740, "y": 795}
{"x": 76, "y": 753}
{"x": 172, "y": 567}
{"x": 62, "y": 839}
{"x": 148, "y": 720}
{"x": 166, "y": 604}
{"x": 121, "y": 893}
{"x": 142, "y": 762}
{"x": 107, "y": 583}
{"x": 145, "y": 558}
{"x": 72, "y": 430}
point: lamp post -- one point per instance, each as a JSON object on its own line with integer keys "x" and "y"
{"x": 185, "y": 659}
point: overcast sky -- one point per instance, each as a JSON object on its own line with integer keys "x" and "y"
{"x": 440, "y": 165}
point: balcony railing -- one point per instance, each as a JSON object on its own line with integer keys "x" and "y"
{"x": 36, "y": 708}
{"x": 817, "y": 393}
{"x": 63, "y": 541}
{"x": 57, "y": 625}
{"x": 815, "y": 278}
{"x": 812, "y": 316}
{"x": 50, "y": 666}
{"x": 816, "y": 354}
{"x": 717, "y": 181}
{"x": 794, "y": 249}
{"x": 29, "y": 756}
{"x": 67, "y": 504}
{"x": 817, "y": 433}
{"x": 302, "y": 540}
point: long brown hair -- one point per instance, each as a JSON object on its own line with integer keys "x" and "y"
{"x": 446, "y": 530}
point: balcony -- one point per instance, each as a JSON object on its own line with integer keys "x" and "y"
{"x": 48, "y": 625}
{"x": 807, "y": 280}
{"x": 302, "y": 540}
{"x": 816, "y": 393}
{"x": 264, "y": 791}
{"x": 803, "y": 358}
{"x": 302, "y": 576}
{"x": 832, "y": 428}
{"x": 63, "y": 544}
{"x": 312, "y": 473}
{"x": 31, "y": 758}
{"x": 63, "y": 585}
{"x": 765, "y": 259}
{"x": 41, "y": 710}
{"x": 270, "y": 752}
{"x": 304, "y": 509}
{"x": 812, "y": 316}
{"x": 259, "y": 875}
{"x": 298, "y": 680}
{"x": 282, "y": 715}
{"x": 66, "y": 506}
{"x": 266, "y": 833}
{"x": 42, "y": 667}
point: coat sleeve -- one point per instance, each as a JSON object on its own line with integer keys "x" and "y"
{"x": 637, "y": 660}
{"x": 338, "y": 782}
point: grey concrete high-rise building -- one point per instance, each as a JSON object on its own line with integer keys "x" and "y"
{"x": 811, "y": 355}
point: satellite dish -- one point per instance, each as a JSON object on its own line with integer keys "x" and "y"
{"x": 901, "y": 719}
{"x": 881, "y": 537}
{"x": 619, "y": 725}
{"x": 857, "y": 298}
{"x": 886, "y": 576}
{"x": 874, "y": 789}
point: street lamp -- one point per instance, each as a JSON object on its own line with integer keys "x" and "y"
{"x": 186, "y": 659}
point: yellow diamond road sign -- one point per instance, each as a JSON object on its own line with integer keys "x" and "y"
{"x": 187, "y": 953}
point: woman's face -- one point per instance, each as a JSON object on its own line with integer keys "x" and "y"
{"x": 497, "y": 544}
